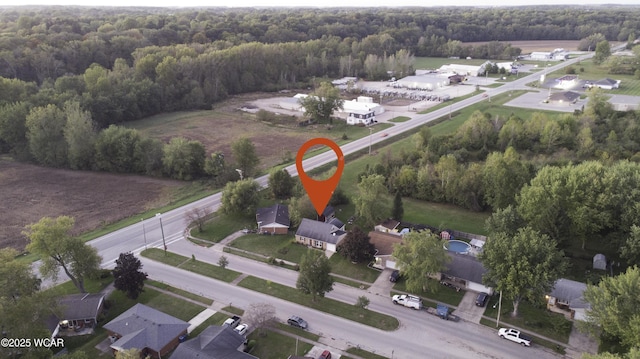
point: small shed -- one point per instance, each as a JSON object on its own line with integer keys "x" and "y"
{"x": 600, "y": 262}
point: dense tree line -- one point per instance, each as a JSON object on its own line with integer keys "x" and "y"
{"x": 50, "y": 42}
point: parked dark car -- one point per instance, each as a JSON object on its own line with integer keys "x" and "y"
{"x": 481, "y": 299}
{"x": 325, "y": 355}
{"x": 296, "y": 321}
{"x": 394, "y": 276}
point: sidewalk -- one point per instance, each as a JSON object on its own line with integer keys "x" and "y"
{"x": 379, "y": 287}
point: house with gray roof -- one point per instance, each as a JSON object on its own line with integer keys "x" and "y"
{"x": 78, "y": 314}
{"x": 566, "y": 97}
{"x": 466, "y": 272}
{"x": 607, "y": 84}
{"x": 151, "y": 331}
{"x": 321, "y": 235}
{"x": 215, "y": 342}
{"x": 274, "y": 219}
{"x": 567, "y": 298}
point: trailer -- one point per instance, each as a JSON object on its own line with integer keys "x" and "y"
{"x": 442, "y": 311}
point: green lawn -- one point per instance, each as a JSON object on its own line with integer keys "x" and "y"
{"x": 183, "y": 293}
{"x": 442, "y": 294}
{"x": 90, "y": 285}
{"x": 277, "y": 346}
{"x": 360, "y": 271}
{"x": 364, "y": 354}
{"x": 400, "y": 119}
{"x": 443, "y": 215}
{"x": 297, "y": 331}
{"x": 206, "y": 269}
{"x": 280, "y": 246}
{"x": 223, "y": 225}
{"x": 347, "y": 311}
{"x": 533, "y": 318}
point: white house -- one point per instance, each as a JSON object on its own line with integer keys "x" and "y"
{"x": 361, "y": 110}
{"x": 606, "y": 84}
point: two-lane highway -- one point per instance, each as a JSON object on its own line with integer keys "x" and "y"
{"x": 417, "y": 338}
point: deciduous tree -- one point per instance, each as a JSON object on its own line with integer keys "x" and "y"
{"x": 244, "y": 153}
{"x": 397, "y": 212}
{"x": 240, "y": 197}
{"x": 630, "y": 250}
{"x": 603, "y": 51}
{"x": 356, "y": 246}
{"x": 198, "y": 216}
{"x": 321, "y": 103}
{"x": 522, "y": 266}
{"x": 314, "y": 277}
{"x": 128, "y": 275}
{"x": 183, "y": 159}
{"x": 50, "y": 239}
{"x": 80, "y": 134}
{"x": 420, "y": 256}
{"x": 614, "y": 307}
{"x": 371, "y": 202}
{"x": 281, "y": 183}
{"x": 503, "y": 174}
{"x": 260, "y": 316}
{"x": 45, "y": 132}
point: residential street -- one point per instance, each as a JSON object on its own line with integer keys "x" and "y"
{"x": 420, "y": 334}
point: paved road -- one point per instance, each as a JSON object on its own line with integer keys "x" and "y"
{"x": 419, "y": 336}
{"x": 446, "y": 340}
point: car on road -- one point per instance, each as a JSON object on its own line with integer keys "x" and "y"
{"x": 325, "y": 355}
{"x": 384, "y": 135}
{"x": 481, "y": 299}
{"x": 394, "y": 276}
{"x": 515, "y": 336}
{"x": 241, "y": 329}
{"x": 298, "y": 322}
{"x": 233, "y": 321}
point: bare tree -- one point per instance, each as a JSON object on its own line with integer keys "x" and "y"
{"x": 260, "y": 316}
{"x": 198, "y": 216}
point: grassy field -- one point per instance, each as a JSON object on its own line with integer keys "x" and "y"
{"x": 437, "y": 62}
{"x": 344, "y": 310}
{"x": 629, "y": 85}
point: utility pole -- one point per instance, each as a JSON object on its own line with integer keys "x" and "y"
{"x": 164, "y": 244}
{"x": 144, "y": 232}
{"x": 499, "y": 310}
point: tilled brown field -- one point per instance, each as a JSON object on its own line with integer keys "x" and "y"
{"x": 29, "y": 192}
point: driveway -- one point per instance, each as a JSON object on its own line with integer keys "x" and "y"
{"x": 468, "y": 310}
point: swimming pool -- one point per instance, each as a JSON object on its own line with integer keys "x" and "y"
{"x": 457, "y": 246}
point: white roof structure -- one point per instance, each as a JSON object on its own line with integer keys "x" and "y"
{"x": 471, "y": 70}
{"x": 423, "y": 82}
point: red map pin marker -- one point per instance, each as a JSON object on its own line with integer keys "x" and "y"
{"x": 320, "y": 191}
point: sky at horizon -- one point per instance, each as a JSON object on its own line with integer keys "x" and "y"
{"x": 294, "y": 3}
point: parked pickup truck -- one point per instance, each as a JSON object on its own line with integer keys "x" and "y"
{"x": 233, "y": 321}
{"x": 515, "y": 336}
{"x": 410, "y": 301}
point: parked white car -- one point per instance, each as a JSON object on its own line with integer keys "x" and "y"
{"x": 241, "y": 329}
